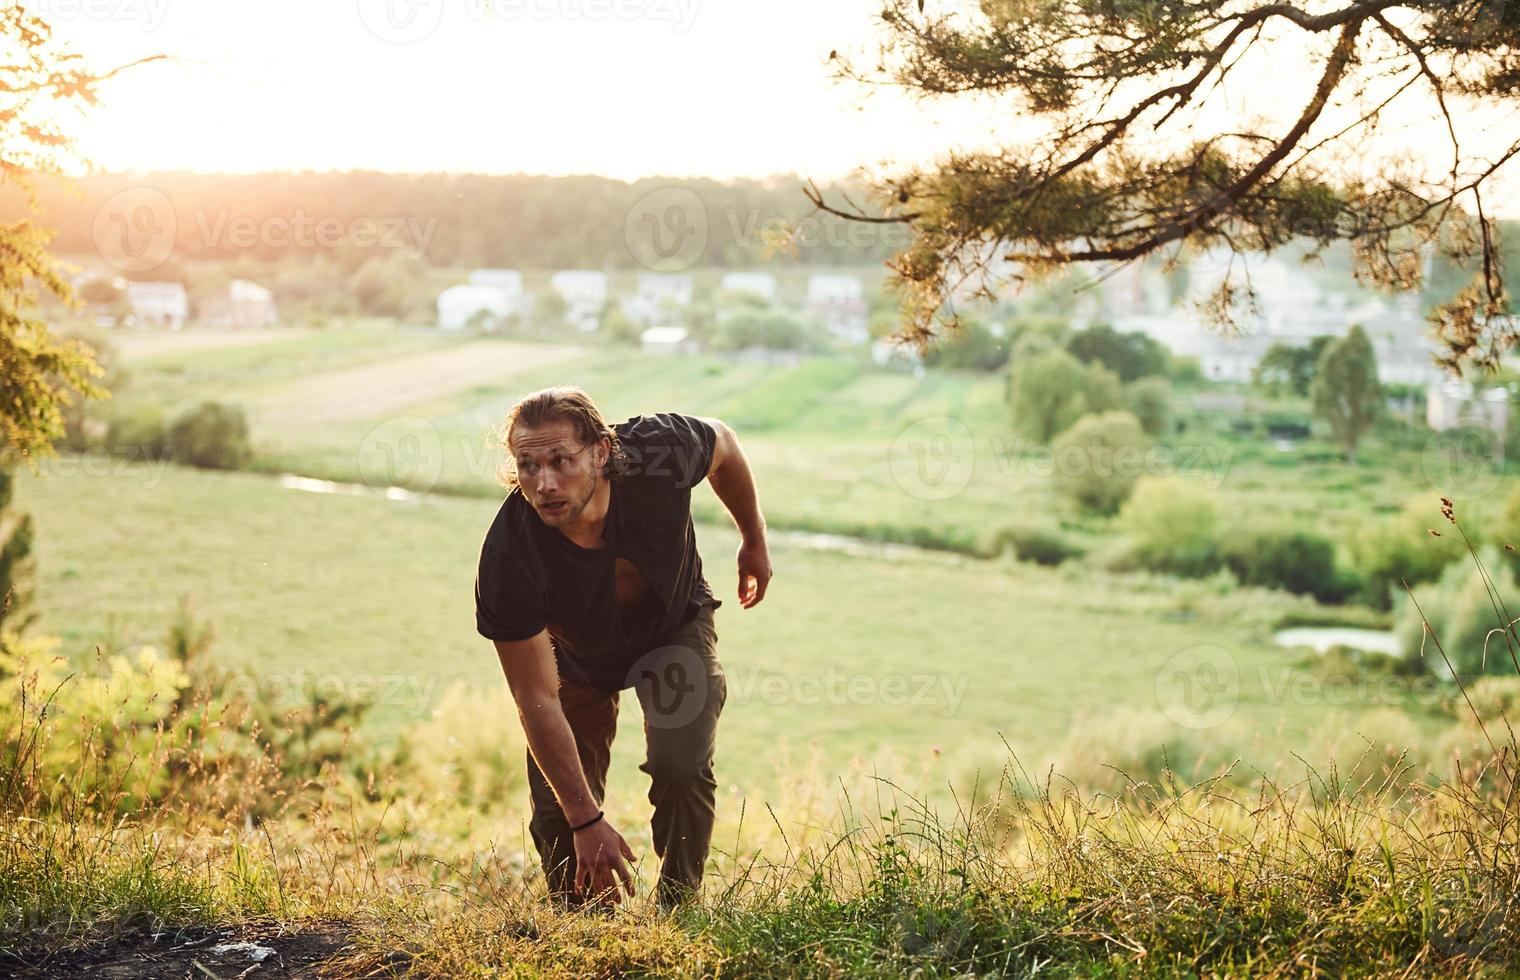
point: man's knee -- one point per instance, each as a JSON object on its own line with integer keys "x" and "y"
{"x": 672, "y": 763}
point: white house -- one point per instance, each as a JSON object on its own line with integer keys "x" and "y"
{"x": 657, "y": 295}
{"x": 839, "y": 302}
{"x": 1452, "y": 404}
{"x": 461, "y": 306}
{"x": 666, "y": 288}
{"x": 243, "y": 305}
{"x": 158, "y": 304}
{"x": 584, "y": 292}
{"x": 509, "y": 281}
{"x": 665, "y": 340}
{"x": 761, "y": 284}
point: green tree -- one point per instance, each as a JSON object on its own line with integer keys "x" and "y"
{"x": 1345, "y": 389}
{"x": 1098, "y": 460}
{"x": 1150, "y": 399}
{"x": 1130, "y": 355}
{"x": 1143, "y": 150}
{"x": 1286, "y": 368}
{"x": 40, "y": 375}
{"x": 1172, "y": 526}
{"x": 1045, "y": 393}
{"x": 17, "y": 568}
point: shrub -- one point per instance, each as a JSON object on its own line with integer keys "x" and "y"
{"x": 212, "y": 436}
{"x": 1041, "y": 545}
{"x": 138, "y": 431}
{"x": 1401, "y": 547}
{"x": 1507, "y": 529}
{"x": 1151, "y": 401}
{"x": 1284, "y": 558}
{"x": 1098, "y": 460}
{"x": 1171, "y": 525}
{"x": 1045, "y": 392}
{"x": 1462, "y": 615}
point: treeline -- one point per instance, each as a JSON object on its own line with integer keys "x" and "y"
{"x": 455, "y": 220}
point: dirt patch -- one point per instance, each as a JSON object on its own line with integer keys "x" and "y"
{"x": 135, "y": 345}
{"x": 376, "y": 391}
{"x": 257, "y": 951}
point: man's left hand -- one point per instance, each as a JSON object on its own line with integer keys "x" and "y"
{"x": 754, "y": 572}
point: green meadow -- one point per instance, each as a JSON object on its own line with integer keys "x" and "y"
{"x": 930, "y": 661}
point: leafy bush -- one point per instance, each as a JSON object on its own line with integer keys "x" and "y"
{"x": 1461, "y": 615}
{"x": 1098, "y": 460}
{"x": 212, "y": 436}
{"x": 1171, "y": 526}
{"x": 1286, "y": 558}
{"x": 138, "y": 431}
{"x": 1043, "y": 546}
{"x": 1401, "y": 547}
{"x": 1150, "y": 399}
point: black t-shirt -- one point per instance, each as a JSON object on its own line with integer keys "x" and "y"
{"x": 532, "y": 577}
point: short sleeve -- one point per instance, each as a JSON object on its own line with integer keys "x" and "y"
{"x": 672, "y": 447}
{"x": 507, "y": 605}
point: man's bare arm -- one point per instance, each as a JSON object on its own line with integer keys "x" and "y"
{"x": 534, "y": 681}
{"x": 601, "y": 853}
{"x": 731, "y": 479}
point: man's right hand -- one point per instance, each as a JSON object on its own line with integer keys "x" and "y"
{"x": 601, "y": 863}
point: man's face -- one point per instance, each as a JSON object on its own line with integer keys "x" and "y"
{"x": 557, "y": 472}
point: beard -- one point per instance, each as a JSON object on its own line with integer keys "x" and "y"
{"x": 573, "y": 509}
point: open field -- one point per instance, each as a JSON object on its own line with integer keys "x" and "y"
{"x": 927, "y": 660}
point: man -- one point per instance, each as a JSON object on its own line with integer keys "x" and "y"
{"x": 589, "y": 584}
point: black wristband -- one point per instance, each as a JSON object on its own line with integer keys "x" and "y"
{"x": 589, "y": 823}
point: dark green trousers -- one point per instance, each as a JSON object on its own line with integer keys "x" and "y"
{"x": 681, "y": 689}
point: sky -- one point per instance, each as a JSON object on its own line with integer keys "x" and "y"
{"x": 622, "y": 88}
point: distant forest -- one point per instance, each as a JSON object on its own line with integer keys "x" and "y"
{"x": 460, "y": 220}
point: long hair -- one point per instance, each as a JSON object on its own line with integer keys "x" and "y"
{"x": 547, "y": 405}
